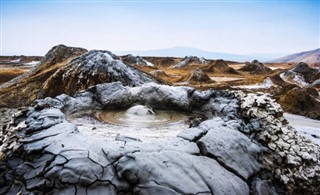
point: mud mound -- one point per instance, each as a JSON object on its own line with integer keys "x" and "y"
{"x": 167, "y": 61}
{"x": 135, "y": 60}
{"x": 255, "y": 67}
{"x": 23, "y": 90}
{"x": 302, "y": 101}
{"x": 190, "y": 60}
{"x": 63, "y": 70}
{"x": 198, "y": 76}
{"x": 92, "y": 68}
{"x": 276, "y": 79}
{"x": 302, "y": 75}
{"x": 219, "y": 66}
{"x": 161, "y": 61}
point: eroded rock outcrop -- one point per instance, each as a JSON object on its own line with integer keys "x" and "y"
{"x": 244, "y": 146}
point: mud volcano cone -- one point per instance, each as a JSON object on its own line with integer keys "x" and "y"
{"x": 255, "y": 67}
{"x": 220, "y": 66}
{"x": 198, "y": 76}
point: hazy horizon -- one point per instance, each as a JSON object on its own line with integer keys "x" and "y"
{"x": 236, "y": 27}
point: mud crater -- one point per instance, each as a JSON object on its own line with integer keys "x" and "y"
{"x": 137, "y": 122}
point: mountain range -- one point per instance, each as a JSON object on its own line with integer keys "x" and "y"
{"x": 312, "y": 56}
{"x": 183, "y": 51}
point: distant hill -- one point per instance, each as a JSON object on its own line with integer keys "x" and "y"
{"x": 190, "y": 51}
{"x": 312, "y": 56}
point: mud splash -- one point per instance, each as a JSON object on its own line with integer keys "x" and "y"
{"x": 138, "y": 123}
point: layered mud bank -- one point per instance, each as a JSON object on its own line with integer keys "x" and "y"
{"x": 239, "y": 144}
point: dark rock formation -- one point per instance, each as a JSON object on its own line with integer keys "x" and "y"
{"x": 245, "y": 145}
{"x": 255, "y": 67}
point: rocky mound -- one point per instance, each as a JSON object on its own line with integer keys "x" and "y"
{"x": 23, "y": 89}
{"x": 255, "y": 67}
{"x": 135, "y": 60}
{"x": 302, "y": 101}
{"x": 245, "y": 146}
{"x": 302, "y": 75}
{"x": 190, "y": 60}
{"x": 220, "y": 66}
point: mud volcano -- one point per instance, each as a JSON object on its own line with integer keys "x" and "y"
{"x": 137, "y": 122}
{"x": 87, "y": 143}
{"x": 244, "y": 147}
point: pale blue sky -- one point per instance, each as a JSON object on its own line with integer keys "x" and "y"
{"x": 241, "y": 27}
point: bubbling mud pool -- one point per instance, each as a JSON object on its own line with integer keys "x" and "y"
{"x": 138, "y": 122}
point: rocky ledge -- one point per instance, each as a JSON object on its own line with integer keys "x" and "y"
{"x": 245, "y": 146}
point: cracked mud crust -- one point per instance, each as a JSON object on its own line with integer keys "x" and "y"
{"x": 245, "y": 146}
